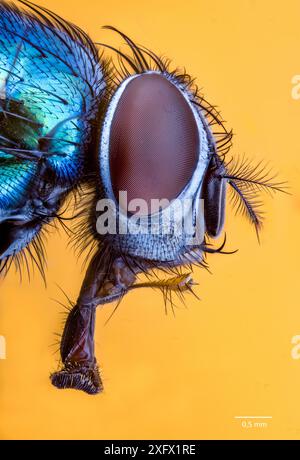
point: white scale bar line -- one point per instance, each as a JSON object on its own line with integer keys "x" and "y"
{"x": 252, "y": 416}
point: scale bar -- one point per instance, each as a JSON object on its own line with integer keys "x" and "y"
{"x": 253, "y": 416}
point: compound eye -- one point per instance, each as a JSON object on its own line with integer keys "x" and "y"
{"x": 154, "y": 140}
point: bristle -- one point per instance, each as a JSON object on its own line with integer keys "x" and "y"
{"x": 142, "y": 60}
{"x": 247, "y": 181}
{"x": 74, "y": 376}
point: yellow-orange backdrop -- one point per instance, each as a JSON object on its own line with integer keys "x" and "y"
{"x": 230, "y": 353}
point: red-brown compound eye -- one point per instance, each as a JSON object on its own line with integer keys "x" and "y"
{"x": 154, "y": 140}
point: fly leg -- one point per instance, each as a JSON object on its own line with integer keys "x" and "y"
{"x": 107, "y": 279}
{"x": 80, "y": 369}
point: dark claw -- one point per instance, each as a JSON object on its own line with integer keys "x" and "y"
{"x": 78, "y": 377}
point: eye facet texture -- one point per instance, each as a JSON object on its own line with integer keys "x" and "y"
{"x": 154, "y": 140}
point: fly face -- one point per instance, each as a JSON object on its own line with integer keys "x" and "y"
{"x": 161, "y": 142}
{"x": 155, "y": 149}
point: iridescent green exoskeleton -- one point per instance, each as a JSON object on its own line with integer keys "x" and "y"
{"x": 51, "y": 87}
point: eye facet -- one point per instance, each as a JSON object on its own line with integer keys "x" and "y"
{"x": 154, "y": 140}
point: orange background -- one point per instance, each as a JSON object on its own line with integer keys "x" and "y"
{"x": 230, "y": 353}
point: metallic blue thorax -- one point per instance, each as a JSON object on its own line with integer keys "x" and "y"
{"x": 50, "y": 88}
